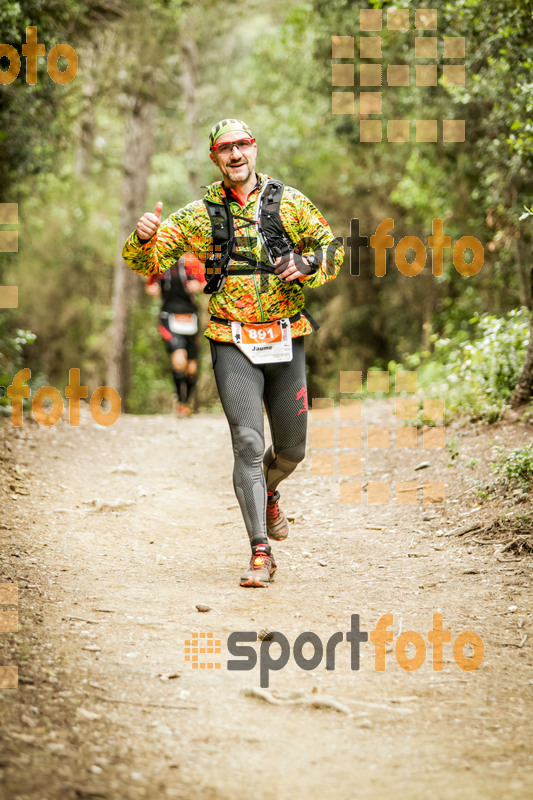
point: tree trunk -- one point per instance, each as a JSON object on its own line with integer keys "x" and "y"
{"x": 137, "y": 157}
{"x": 428, "y": 301}
{"x": 523, "y": 391}
{"x": 190, "y": 90}
{"x": 86, "y": 119}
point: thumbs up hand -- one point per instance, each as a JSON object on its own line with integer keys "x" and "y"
{"x": 149, "y": 223}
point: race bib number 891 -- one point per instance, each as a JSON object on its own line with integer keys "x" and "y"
{"x": 264, "y": 343}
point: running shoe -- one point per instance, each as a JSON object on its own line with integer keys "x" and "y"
{"x": 277, "y": 525}
{"x": 183, "y": 410}
{"x": 262, "y": 567}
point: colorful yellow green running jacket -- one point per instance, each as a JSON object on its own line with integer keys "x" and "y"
{"x": 259, "y": 297}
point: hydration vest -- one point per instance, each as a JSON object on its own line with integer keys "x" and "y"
{"x": 273, "y": 236}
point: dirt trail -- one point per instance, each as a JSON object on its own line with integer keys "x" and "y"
{"x": 113, "y": 535}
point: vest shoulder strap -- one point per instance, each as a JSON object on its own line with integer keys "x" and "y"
{"x": 273, "y": 234}
{"x": 271, "y": 226}
{"x": 222, "y": 227}
{"x": 276, "y": 237}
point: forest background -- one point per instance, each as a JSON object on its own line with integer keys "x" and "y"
{"x": 84, "y": 160}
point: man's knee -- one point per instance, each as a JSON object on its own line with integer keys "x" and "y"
{"x": 292, "y": 455}
{"x": 247, "y": 441}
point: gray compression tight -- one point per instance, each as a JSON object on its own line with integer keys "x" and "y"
{"x": 242, "y": 387}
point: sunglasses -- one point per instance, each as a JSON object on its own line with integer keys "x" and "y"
{"x": 226, "y": 147}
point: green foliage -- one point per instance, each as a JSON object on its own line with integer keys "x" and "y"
{"x": 12, "y": 349}
{"x": 34, "y": 130}
{"x": 484, "y": 372}
{"x": 475, "y": 370}
{"x": 453, "y": 451}
{"x": 465, "y": 347}
{"x": 516, "y": 468}
{"x": 68, "y": 269}
{"x": 151, "y": 390}
{"x": 421, "y": 420}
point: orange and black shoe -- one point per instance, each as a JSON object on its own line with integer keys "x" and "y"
{"x": 277, "y": 525}
{"x": 262, "y": 567}
{"x": 183, "y": 410}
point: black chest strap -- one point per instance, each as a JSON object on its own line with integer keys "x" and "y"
{"x": 273, "y": 236}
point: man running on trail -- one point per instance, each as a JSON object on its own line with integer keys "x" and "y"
{"x": 261, "y": 241}
{"x": 179, "y": 323}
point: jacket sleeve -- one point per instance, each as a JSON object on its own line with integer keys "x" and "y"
{"x": 173, "y": 238}
{"x": 314, "y": 236}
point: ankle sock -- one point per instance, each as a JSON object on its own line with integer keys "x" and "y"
{"x": 261, "y": 547}
{"x": 190, "y": 384}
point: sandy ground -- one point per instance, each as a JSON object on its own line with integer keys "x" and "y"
{"x": 114, "y": 535}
